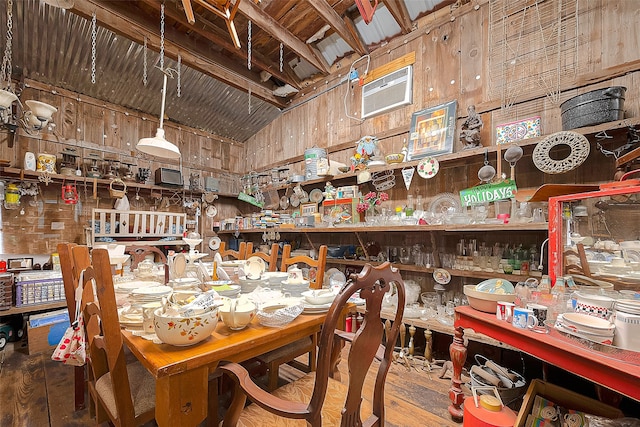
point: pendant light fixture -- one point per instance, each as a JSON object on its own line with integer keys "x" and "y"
{"x": 158, "y": 145}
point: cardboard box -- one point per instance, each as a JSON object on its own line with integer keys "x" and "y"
{"x": 342, "y": 211}
{"x": 565, "y": 398}
{"x": 44, "y": 331}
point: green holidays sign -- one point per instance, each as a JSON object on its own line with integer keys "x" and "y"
{"x": 488, "y": 193}
{"x": 249, "y": 199}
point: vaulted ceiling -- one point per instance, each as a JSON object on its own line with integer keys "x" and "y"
{"x": 237, "y": 63}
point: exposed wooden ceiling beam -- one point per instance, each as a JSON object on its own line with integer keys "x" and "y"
{"x": 398, "y": 10}
{"x": 331, "y": 17}
{"x": 227, "y": 15}
{"x": 188, "y": 11}
{"x": 208, "y": 30}
{"x": 271, "y": 26}
{"x": 120, "y": 19}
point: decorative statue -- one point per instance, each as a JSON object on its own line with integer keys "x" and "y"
{"x": 470, "y": 133}
{"x": 329, "y": 191}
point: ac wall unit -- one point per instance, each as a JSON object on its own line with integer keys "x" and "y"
{"x": 391, "y": 91}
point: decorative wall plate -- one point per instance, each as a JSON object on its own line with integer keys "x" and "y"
{"x": 577, "y": 143}
{"x": 428, "y": 167}
{"x": 211, "y": 211}
{"x": 214, "y": 243}
{"x": 441, "y": 276}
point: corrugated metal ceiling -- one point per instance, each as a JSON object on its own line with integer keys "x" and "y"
{"x": 54, "y": 46}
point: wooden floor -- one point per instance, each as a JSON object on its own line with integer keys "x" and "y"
{"x": 37, "y": 392}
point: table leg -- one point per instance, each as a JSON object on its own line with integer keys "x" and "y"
{"x": 182, "y": 399}
{"x": 458, "y": 353}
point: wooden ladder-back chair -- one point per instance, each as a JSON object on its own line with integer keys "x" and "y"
{"x": 327, "y": 401}
{"x": 139, "y": 253}
{"x": 271, "y": 258}
{"x": 319, "y": 264}
{"x": 70, "y": 282}
{"x": 241, "y": 253}
{"x": 307, "y": 345}
{"x": 125, "y": 391}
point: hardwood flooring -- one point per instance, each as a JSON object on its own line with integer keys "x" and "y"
{"x": 37, "y": 392}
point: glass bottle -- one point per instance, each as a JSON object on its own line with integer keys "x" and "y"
{"x": 523, "y": 294}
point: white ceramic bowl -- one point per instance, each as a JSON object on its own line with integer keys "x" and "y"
{"x": 275, "y": 278}
{"x": 586, "y": 323}
{"x": 319, "y": 296}
{"x": 485, "y": 301}
{"x": 184, "y": 331}
{"x": 594, "y": 304}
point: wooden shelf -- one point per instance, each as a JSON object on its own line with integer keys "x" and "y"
{"x": 34, "y": 308}
{"x": 463, "y": 156}
{"x": 435, "y": 326}
{"x": 22, "y": 174}
{"x": 541, "y": 226}
{"x": 475, "y": 274}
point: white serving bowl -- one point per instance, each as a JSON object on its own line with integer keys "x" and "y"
{"x": 275, "y": 278}
{"x": 485, "y": 301}
{"x": 184, "y": 331}
{"x": 319, "y": 296}
{"x": 591, "y": 324}
{"x": 594, "y": 304}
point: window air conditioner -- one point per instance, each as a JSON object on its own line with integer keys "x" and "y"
{"x": 391, "y": 91}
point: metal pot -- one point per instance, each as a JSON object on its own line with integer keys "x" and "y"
{"x": 592, "y": 108}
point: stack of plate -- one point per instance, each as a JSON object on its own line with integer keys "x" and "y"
{"x": 295, "y": 289}
{"x": 585, "y": 326}
{"x": 149, "y": 294}
{"x": 316, "y": 308}
{"x": 128, "y": 287}
{"x": 249, "y": 285}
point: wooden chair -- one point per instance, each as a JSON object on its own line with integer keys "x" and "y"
{"x": 139, "y": 253}
{"x": 271, "y": 259}
{"x": 125, "y": 391}
{"x": 70, "y": 282}
{"x": 319, "y": 398}
{"x": 319, "y": 264}
{"x": 307, "y": 345}
{"x": 241, "y": 253}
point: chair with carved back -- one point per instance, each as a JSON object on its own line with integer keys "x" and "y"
{"x": 318, "y": 398}
{"x": 125, "y": 391}
{"x": 241, "y": 253}
{"x": 271, "y": 258}
{"x": 70, "y": 282}
{"x": 140, "y": 252}
{"x": 308, "y": 345}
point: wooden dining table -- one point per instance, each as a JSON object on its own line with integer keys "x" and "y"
{"x": 182, "y": 373}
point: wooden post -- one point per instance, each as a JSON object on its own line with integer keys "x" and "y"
{"x": 458, "y": 353}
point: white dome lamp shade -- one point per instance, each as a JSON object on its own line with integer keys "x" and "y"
{"x": 6, "y": 99}
{"x": 38, "y": 114}
{"x": 158, "y": 145}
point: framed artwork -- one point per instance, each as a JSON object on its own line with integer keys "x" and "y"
{"x": 432, "y": 131}
{"x": 307, "y": 209}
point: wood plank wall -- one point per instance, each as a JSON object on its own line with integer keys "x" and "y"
{"x": 112, "y": 131}
{"x": 452, "y": 51}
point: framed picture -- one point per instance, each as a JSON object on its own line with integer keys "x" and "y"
{"x": 307, "y": 209}
{"x": 432, "y": 131}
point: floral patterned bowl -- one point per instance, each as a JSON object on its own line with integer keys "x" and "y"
{"x": 183, "y": 331}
